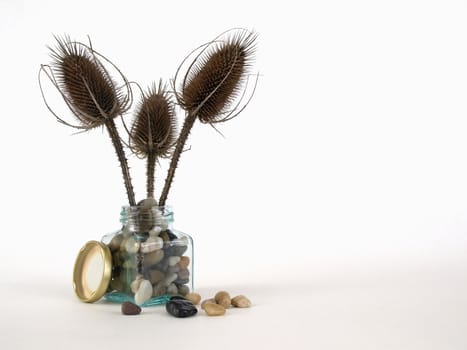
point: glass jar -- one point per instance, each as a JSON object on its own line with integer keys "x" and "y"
{"x": 149, "y": 260}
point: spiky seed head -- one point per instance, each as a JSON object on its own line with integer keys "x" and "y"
{"x": 85, "y": 84}
{"x": 216, "y": 77}
{"x": 154, "y": 128}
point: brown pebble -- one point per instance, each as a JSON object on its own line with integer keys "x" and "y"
{"x": 212, "y": 300}
{"x": 223, "y": 298}
{"x": 195, "y": 298}
{"x": 241, "y": 301}
{"x": 156, "y": 276}
{"x": 115, "y": 243}
{"x": 130, "y": 308}
{"x": 153, "y": 258}
{"x": 212, "y": 309}
{"x": 184, "y": 262}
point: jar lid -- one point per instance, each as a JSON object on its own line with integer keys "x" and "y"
{"x": 92, "y": 272}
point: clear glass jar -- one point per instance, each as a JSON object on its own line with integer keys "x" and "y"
{"x": 151, "y": 261}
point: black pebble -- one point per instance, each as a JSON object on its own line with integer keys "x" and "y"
{"x": 180, "y": 307}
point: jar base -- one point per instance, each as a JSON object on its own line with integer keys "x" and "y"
{"x": 118, "y": 297}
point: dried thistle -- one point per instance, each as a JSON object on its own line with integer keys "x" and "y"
{"x": 215, "y": 79}
{"x": 90, "y": 93}
{"x": 153, "y": 132}
{"x": 213, "y": 88}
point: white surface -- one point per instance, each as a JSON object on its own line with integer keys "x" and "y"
{"x": 343, "y": 182}
{"x": 368, "y": 308}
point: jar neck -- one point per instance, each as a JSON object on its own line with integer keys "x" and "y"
{"x": 144, "y": 219}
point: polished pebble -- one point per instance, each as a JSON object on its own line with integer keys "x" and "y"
{"x": 173, "y": 260}
{"x": 155, "y": 276}
{"x": 183, "y": 289}
{"x": 153, "y": 257}
{"x": 147, "y": 203}
{"x": 212, "y": 301}
{"x": 115, "y": 243}
{"x": 172, "y": 289}
{"x": 159, "y": 289}
{"x": 212, "y": 309}
{"x": 195, "y": 298}
{"x": 241, "y": 301}
{"x": 181, "y": 308}
{"x": 144, "y": 292}
{"x": 170, "y": 278}
{"x": 152, "y": 244}
{"x": 172, "y": 269}
{"x": 155, "y": 231}
{"x": 131, "y": 245}
{"x": 130, "y": 308}
{"x": 223, "y": 298}
{"x": 136, "y": 283}
{"x": 184, "y": 262}
{"x": 183, "y": 274}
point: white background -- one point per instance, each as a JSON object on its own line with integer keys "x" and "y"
{"x": 337, "y": 200}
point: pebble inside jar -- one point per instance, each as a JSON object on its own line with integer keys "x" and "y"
{"x": 151, "y": 261}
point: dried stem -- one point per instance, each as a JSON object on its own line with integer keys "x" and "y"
{"x": 184, "y": 133}
{"x": 113, "y": 133}
{"x": 151, "y": 168}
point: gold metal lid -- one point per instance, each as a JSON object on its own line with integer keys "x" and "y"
{"x": 92, "y": 272}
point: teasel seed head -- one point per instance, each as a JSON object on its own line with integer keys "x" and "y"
{"x": 217, "y": 77}
{"x": 154, "y": 127}
{"x": 80, "y": 75}
{"x": 89, "y": 91}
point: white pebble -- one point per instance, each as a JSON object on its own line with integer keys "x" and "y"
{"x": 152, "y": 244}
{"x": 131, "y": 246}
{"x": 155, "y": 231}
{"x": 170, "y": 278}
{"x": 173, "y": 260}
{"x": 136, "y": 283}
{"x": 144, "y": 292}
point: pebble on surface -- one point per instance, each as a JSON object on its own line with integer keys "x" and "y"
{"x": 181, "y": 308}
{"x": 130, "y": 308}
{"x": 223, "y": 298}
{"x": 212, "y": 309}
{"x": 195, "y": 298}
{"x": 241, "y": 301}
{"x": 212, "y": 301}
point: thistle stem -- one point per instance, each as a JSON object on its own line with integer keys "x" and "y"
{"x": 151, "y": 168}
{"x": 184, "y": 133}
{"x": 117, "y": 143}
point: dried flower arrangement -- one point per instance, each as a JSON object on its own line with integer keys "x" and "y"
{"x": 147, "y": 260}
{"x": 215, "y": 88}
